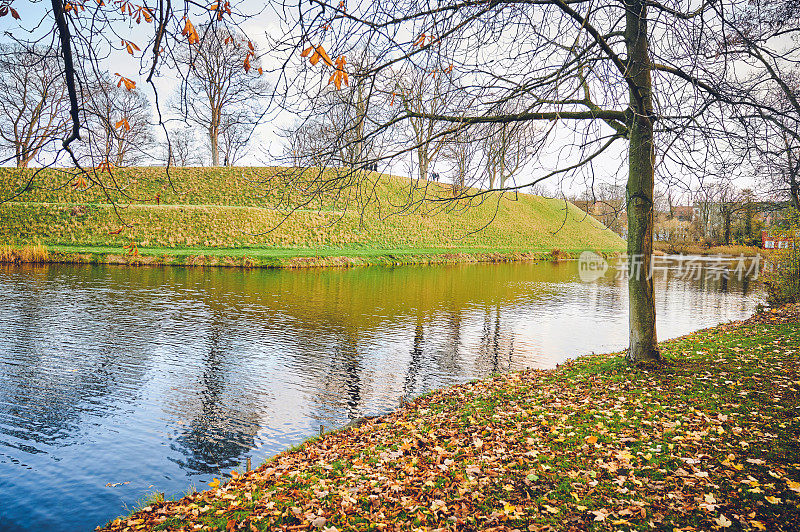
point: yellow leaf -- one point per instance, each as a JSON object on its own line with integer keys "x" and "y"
{"x": 214, "y": 483}
{"x": 758, "y": 525}
{"x": 591, "y": 440}
{"x": 772, "y": 500}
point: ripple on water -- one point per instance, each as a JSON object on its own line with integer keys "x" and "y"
{"x": 118, "y": 382}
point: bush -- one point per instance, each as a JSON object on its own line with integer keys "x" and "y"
{"x": 782, "y": 277}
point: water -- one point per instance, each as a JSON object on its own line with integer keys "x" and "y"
{"x": 155, "y": 379}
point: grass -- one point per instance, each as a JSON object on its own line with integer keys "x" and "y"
{"x": 236, "y": 213}
{"x": 707, "y": 441}
{"x": 694, "y": 248}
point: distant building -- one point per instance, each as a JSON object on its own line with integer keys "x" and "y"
{"x": 684, "y": 213}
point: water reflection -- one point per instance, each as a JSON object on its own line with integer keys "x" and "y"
{"x": 160, "y": 377}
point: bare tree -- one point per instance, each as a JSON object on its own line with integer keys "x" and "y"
{"x": 218, "y": 93}
{"x": 120, "y": 128}
{"x": 462, "y": 151}
{"x": 634, "y": 75}
{"x": 235, "y": 133}
{"x": 340, "y": 131}
{"x": 508, "y": 146}
{"x": 181, "y": 150}
{"x": 33, "y": 105}
{"x": 422, "y": 95}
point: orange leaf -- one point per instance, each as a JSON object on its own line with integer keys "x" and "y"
{"x": 324, "y": 55}
{"x": 260, "y": 71}
{"x": 307, "y": 51}
{"x": 129, "y": 83}
{"x": 190, "y": 32}
{"x": 250, "y": 45}
{"x": 123, "y": 124}
{"x": 420, "y": 41}
{"x": 591, "y": 440}
{"x": 247, "y": 63}
{"x": 14, "y": 13}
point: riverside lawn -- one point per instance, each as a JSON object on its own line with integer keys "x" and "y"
{"x": 224, "y": 217}
{"x": 708, "y": 441}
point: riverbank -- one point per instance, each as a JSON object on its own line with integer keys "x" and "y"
{"x": 706, "y": 442}
{"x": 693, "y": 248}
{"x": 275, "y": 258}
{"x": 249, "y": 217}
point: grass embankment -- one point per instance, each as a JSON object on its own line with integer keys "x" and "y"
{"x": 237, "y": 217}
{"x": 708, "y": 441}
{"x": 694, "y": 248}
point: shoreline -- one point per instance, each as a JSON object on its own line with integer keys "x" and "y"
{"x": 704, "y": 441}
{"x": 276, "y": 258}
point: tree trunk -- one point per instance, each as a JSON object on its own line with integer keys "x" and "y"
{"x": 213, "y": 136}
{"x": 641, "y": 175}
{"x": 726, "y": 234}
{"x": 794, "y": 192}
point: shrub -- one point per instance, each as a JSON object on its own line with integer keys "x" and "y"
{"x": 782, "y": 277}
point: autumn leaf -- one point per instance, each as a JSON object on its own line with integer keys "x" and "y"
{"x": 591, "y": 440}
{"x": 123, "y": 124}
{"x": 129, "y": 46}
{"x": 129, "y": 83}
{"x": 339, "y": 75}
{"x": 214, "y": 483}
{"x": 6, "y": 9}
{"x": 133, "y": 249}
{"x": 190, "y": 32}
{"x": 318, "y": 53}
{"x": 723, "y": 521}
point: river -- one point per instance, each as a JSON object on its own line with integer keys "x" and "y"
{"x": 117, "y": 382}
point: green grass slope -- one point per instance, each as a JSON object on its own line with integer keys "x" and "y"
{"x": 243, "y": 212}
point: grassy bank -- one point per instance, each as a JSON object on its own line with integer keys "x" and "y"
{"x": 239, "y": 217}
{"x": 706, "y": 442}
{"x": 694, "y": 248}
{"x": 274, "y": 257}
